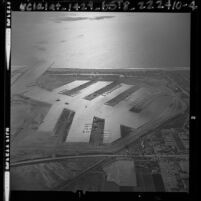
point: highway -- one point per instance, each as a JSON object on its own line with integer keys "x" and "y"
{"x": 111, "y": 149}
{"x": 54, "y": 159}
{"x": 29, "y": 76}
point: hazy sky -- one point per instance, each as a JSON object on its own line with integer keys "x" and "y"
{"x": 101, "y": 40}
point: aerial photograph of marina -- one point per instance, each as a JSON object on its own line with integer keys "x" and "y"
{"x": 100, "y": 101}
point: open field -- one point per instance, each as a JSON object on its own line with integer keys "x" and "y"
{"x": 99, "y": 101}
{"x": 91, "y": 112}
{"x": 123, "y": 98}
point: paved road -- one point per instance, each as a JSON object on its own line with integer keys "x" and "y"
{"x": 29, "y": 76}
{"x": 53, "y": 159}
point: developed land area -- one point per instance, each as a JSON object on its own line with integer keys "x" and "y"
{"x": 100, "y": 130}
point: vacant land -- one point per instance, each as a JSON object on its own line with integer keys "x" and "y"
{"x": 77, "y": 112}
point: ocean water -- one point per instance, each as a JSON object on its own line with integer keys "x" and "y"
{"x": 101, "y": 40}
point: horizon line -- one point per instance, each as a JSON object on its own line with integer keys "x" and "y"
{"x": 158, "y": 68}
